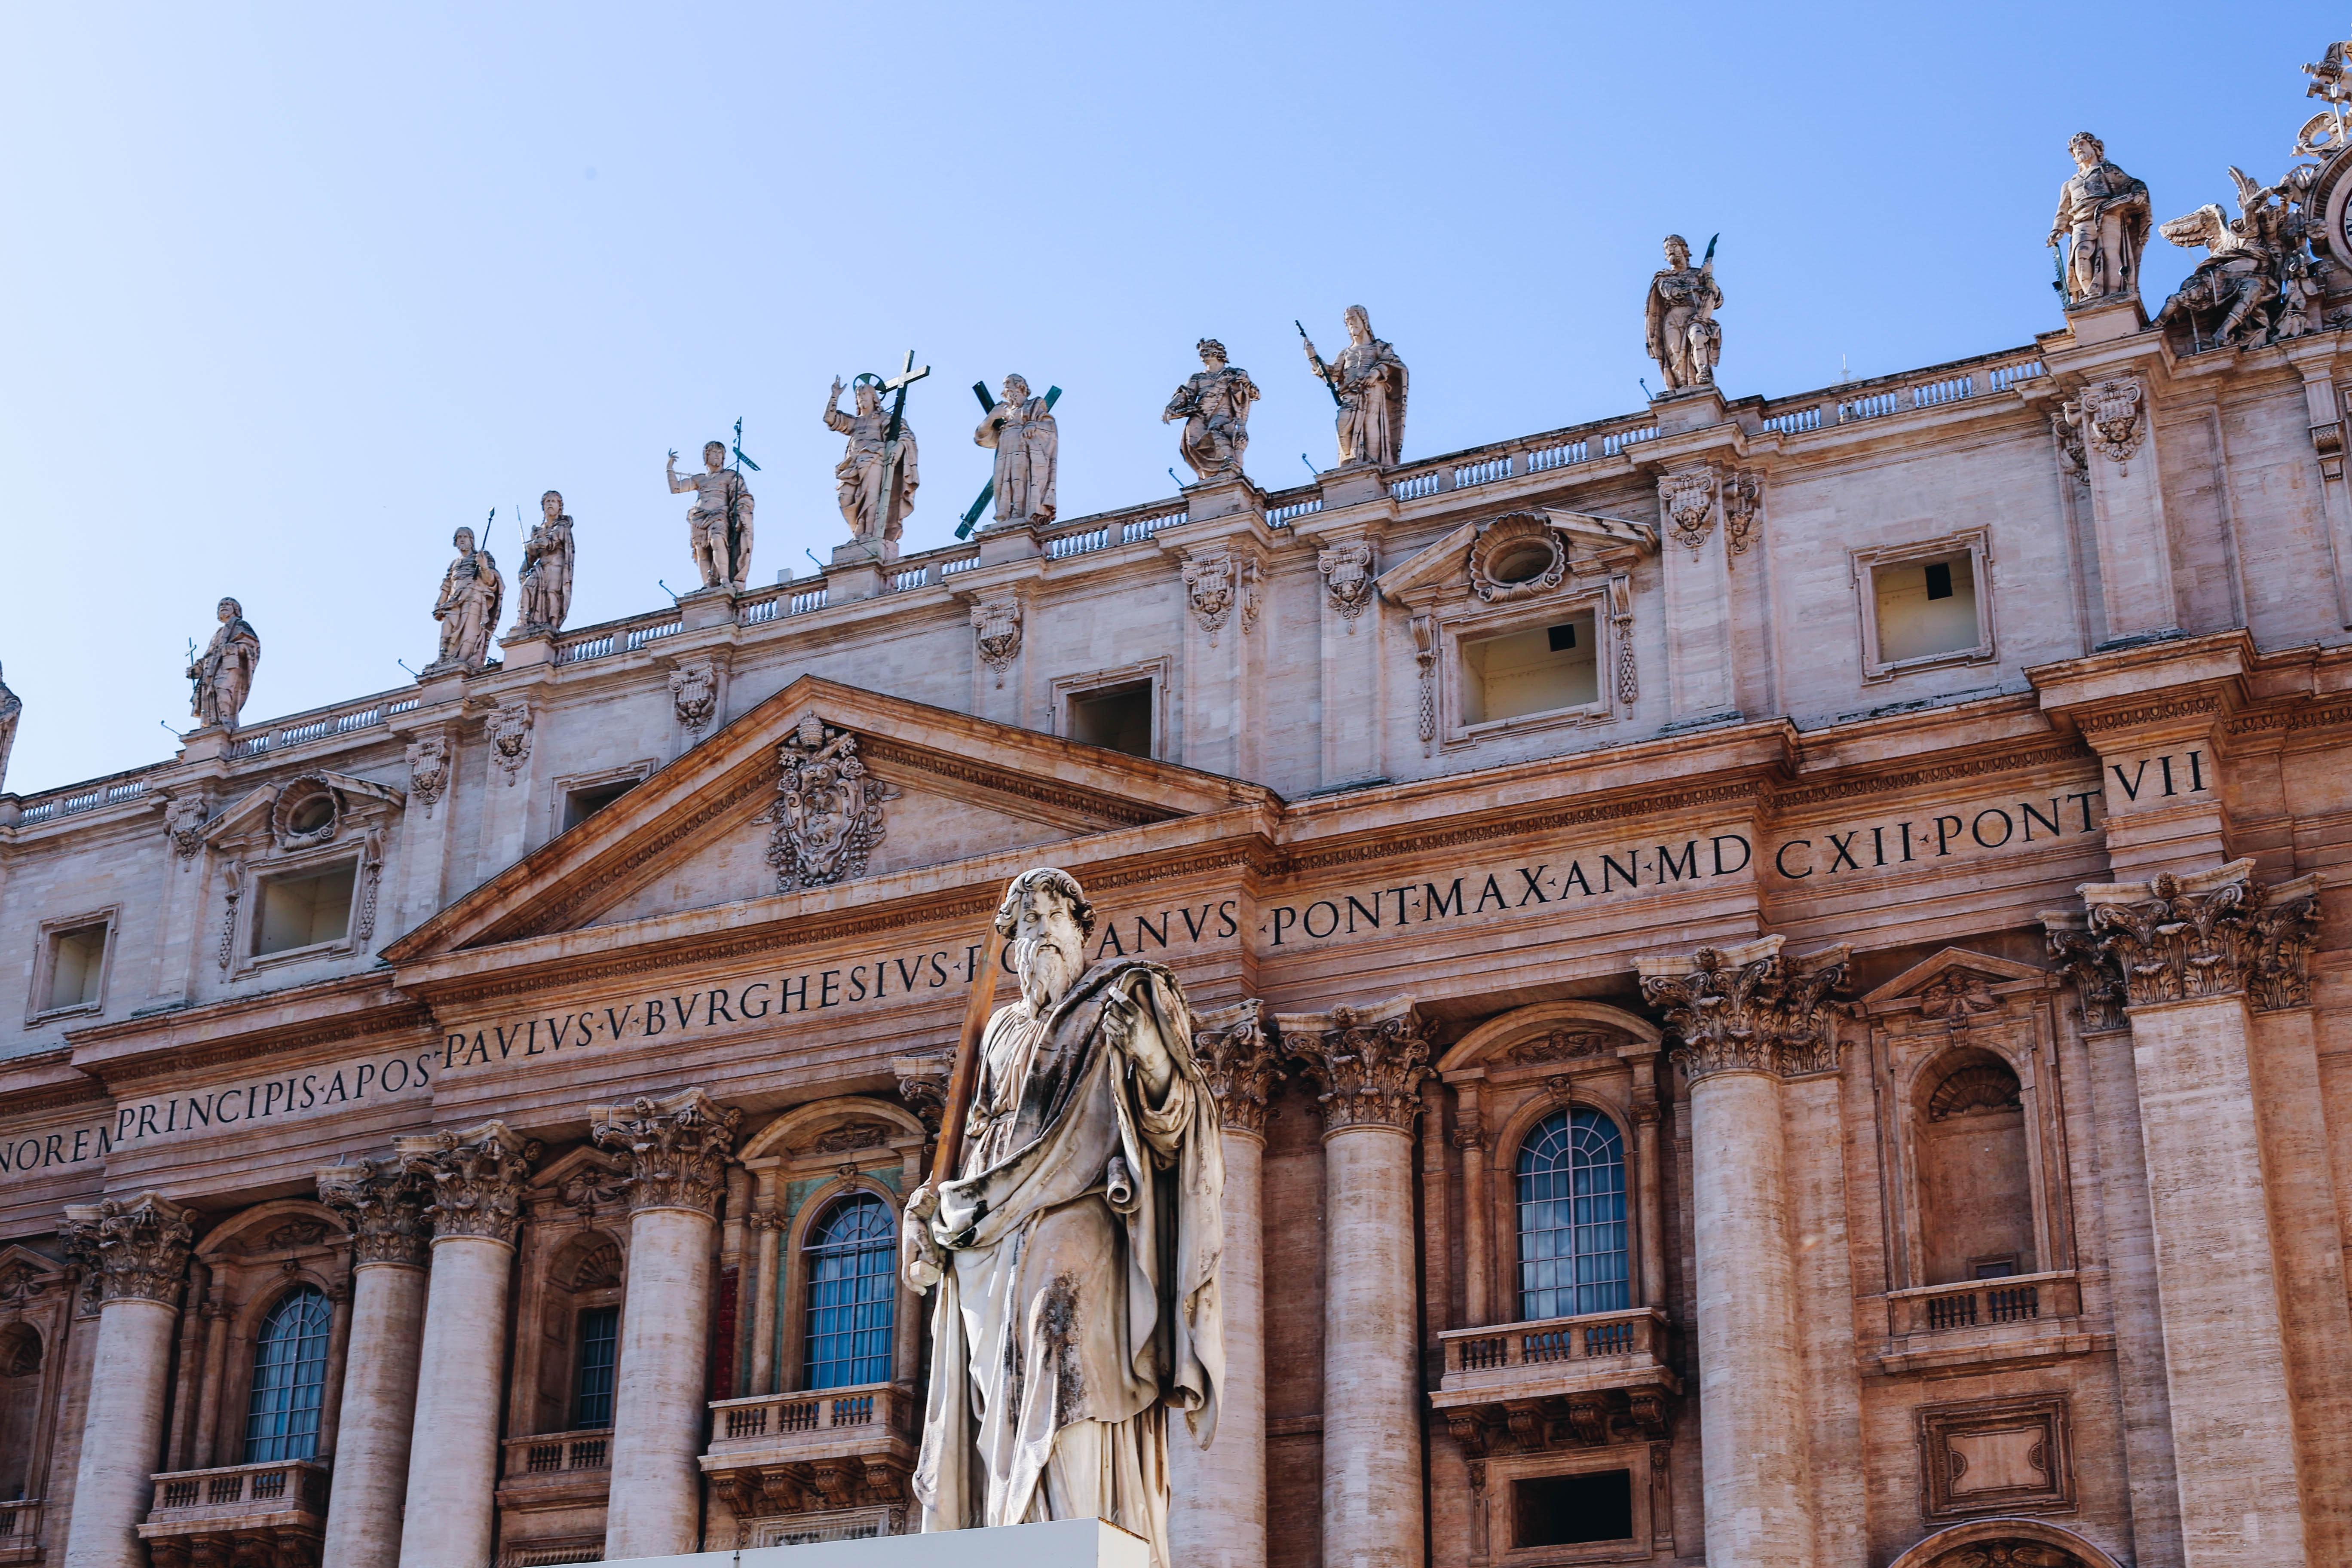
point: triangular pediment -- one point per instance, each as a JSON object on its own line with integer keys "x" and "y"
{"x": 818, "y": 786}
{"x": 1587, "y": 542}
{"x": 1957, "y": 969}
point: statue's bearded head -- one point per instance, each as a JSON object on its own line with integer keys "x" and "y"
{"x": 1677, "y": 251}
{"x": 550, "y": 505}
{"x": 230, "y": 610}
{"x": 463, "y": 540}
{"x": 2088, "y": 150}
{"x": 1047, "y": 919}
{"x": 1359, "y": 324}
{"x": 868, "y": 393}
{"x": 1016, "y": 388}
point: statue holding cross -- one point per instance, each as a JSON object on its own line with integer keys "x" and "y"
{"x": 876, "y": 479}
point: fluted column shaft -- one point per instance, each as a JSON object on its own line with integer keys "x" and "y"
{"x": 1369, "y": 1064}
{"x": 677, "y": 1150}
{"x": 477, "y": 1178}
{"x": 140, "y": 1251}
{"x": 383, "y": 1205}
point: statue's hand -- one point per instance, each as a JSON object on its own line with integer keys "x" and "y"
{"x": 919, "y": 1258}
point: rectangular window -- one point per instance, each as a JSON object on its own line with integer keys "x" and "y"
{"x": 305, "y": 908}
{"x": 1925, "y": 607}
{"x": 600, "y": 1353}
{"x": 77, "y": 963}
{"x": 579, "y": 804}
{"x": 1539, "y": 671}
{"x": 1571, "y": 1511}
{"x": 1117, "y": 718}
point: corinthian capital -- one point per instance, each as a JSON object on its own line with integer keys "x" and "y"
{"x": 1231, "y": 1044}
{"x": 2212, "y": 934}
{"x": 383, "y": 1204}
{"x": 1747, "y": 1008}
{"x": 476, "y": 1178}
{"x": 1368, "y": 1061}
{"x": 136, "y": 1248}
{"x": 676, "y": 1148}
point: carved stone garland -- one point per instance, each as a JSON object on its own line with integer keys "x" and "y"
{"x": 1749, "y": 1009}
{"x": 828, "y": 813}
{"x": 676, "y": 1148}
{"x": 476, "y": 1178}
{"x": 1620, "y": 621}
{"x": 996, "y": 633}
{"x": 1424, "y": 653}
{"x": 135, "y": 1250}
{"x": 2184, "y": 939}
{"x": 1347, "y": 572}
{"x": 1240, "y": 1064}
{"x": 383, "y": 1202}
{"x": 1368, "y": 1067}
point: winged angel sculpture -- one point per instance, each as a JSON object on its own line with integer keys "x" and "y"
{"x": 2258, "y": 282}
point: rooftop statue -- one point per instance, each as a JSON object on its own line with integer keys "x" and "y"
{"x": 12, "y": 709}
{"x": 543, "y": 586}
{"x": 877, "y": 475}
{"x": 2102, "y": 218}
{"x": 1368, "y": 382}
{"x": 1076, "y": 1251}
{"x": 719, "y": 524}
{"x": 1678, "y": 320}
{"x": 1028, "y": 447}
{"x": 222, "y": 676}
{"x": 1214, "y": 406}
{"x": 2258, "y": 283}
{"x": 467, "y": 608}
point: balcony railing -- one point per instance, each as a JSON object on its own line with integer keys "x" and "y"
{"x": 209, "y": 1497}
{"x": 558, "y": 1454}
{"x": 1982, "y": 1304}
{"x": 1933, "y": 388}
{"x": 20, "y": 1525}
{"x": 1592, "y": 1337}
{"x": 864, "y": 1411}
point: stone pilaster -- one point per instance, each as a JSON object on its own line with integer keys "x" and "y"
{"x": 2192, "y": 954}
{"x": 1702, "y": 676}
{"x": 1216, "y": 1514}
{"x": 383, "y": 1204}
{"x": 474, "y": 1180}
{"x": 2112, "y": 411}
{"x": 137, "y": 1252}
{"x": 1368, "y": 1063}
{"x": 1742, "y": 1019}
{"x": 677, "y": 1149}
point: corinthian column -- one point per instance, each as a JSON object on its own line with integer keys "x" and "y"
{"x": 391, "y": 1239}
{"x": 676, "y": 1150}
{"x": 2190, "y": 953}
{"x": 1216, "y": 1515}
{"x": 1743, "y": 1019}
{"x": 139, "y": 1251}
{"x": 476, "y": 1179}
{"x": 1368, "y": 1063}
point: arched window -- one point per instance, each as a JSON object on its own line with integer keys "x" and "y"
{"x": 20, "y": 1404}
{"x": 1573, "y": 1218}
{"x": 852, "y": 1292}
{"x": 1976, "y": 1171}
{"x": 289, "y": 1379}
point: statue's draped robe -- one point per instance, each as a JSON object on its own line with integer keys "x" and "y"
{"x": 471, "y": 593}
{"x": 1026, "y": 442}
{"x": 1083, "y": 1302}
{"x": 224, "y": 671}
{"x": 857, "y": 478}
{"x": 2105, "y": 213}
{"x": 1214, "y": 406}
{"x": 1676, "y": 296}
{"x": 721, "y": 515}
{"x": 545, "y": 580}
{"x": 1371, "y": 411}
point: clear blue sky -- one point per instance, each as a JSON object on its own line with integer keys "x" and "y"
{"x": 288, "y": 293}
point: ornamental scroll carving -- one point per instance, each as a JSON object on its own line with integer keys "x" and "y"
{"x": 1347, "y": 572}
{"x": 1239, "y": 1061}
{"x": 1689, "y": 502}
{"x": 2186, "y": 939}
{"x": 428, "y": 769}
{"x": 1367, "y": 1062}
{"x": 383, "y": 1202}
{"x": 1743, "y": 497}
{"x": 1516, "y": 556}
{"x": 828, "y": 813}
{"x": 1747, "y": 1008}
{"x": 676, "y": 1148}
{"x": 509, "y": 727}
{"x": 476, "y": 1178}
{"x": 184, "y": 816}
{"x": 2111, "y": 419}
{"x": 923, "y": 1085}
{"x": 1219, "y": 584}
{"x": 996, "y": 633}
{"x": 694, "y": 695}
{"x": 135, "y": 1250}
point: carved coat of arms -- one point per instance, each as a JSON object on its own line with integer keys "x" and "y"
{"x": 828, "y": 813}
{"x": 1690, "y": 506}
{"x": 996, "y": 629}
{"x": 509, "y": 731}
{"x": 694, "y": 691}
{"x": 428, "y": 769}
{"x": 1348, "y": 577}
{"x": 1209, "y": 581}
{"x": 184, "y": 819}
{"x": 2109, "y": 416}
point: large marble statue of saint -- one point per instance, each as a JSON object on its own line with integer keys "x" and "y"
{"x": 1076, "y": 1255}
{"x": 865, "y": 471}
{"x": 1679, "y": 327}
{"x": 2104, "y": 217}
{"x": 719, "y": 523}
{"x": 1215, "y": 404}
{"x": 543, "y": 586}
{"x": 222, "y": 676}
{"x": 467, "y": 608}
{"x": 1028, "y": 445}
{"x": 12, "y": 708}
{"x": 1368, "y": 381}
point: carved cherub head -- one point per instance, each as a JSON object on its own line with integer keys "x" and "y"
{"x": 1212, "y": 352}
{"x": 2088, "y": 150}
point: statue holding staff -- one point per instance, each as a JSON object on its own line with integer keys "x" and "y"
{"x": 222, "y": 676}
{"x": 1368, "y": 382}
{"x": 467, "y": 608}
{"x": 543, "y": 586}
{"x": 1680, "y": 330}
{"x": 1028, "y": 445}
{"x": 874, "y": 481}
{"x": 719, "y": 524}
{"x": 2103, "y": 218}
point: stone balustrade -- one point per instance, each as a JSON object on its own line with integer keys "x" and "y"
{"x": 787, "y": 1454}
{"x": 20, "y": 1530}
{"x": 568, "y": 1454}
{"x": 203, "y": 1516}
{"x": 2022, "y": 1320}
{"x": 1592, "y": 1378}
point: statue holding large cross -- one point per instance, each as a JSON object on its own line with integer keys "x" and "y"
{"x": 876, "y": 479}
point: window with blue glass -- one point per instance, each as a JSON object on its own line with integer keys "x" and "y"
{"x": 1571, "y": 1181}
{"x": 600, "y": 1353}
{"x": 289, "y": 1379}
{"x": 852, "y": 1293}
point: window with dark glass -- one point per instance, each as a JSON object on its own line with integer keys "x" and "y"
{"x": 600, "y": 1352}
{"x": 1571, "y": 1181}
{"x": 1571, "y": 1511}
{"x": 289, "y": 1379}
{"x": 851, "y": 1294}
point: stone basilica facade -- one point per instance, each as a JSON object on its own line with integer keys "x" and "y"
{"x": 1777, "y": 971}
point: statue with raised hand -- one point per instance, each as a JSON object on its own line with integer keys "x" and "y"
{"x": 1368, "y": 382}
{"x": 719, "y": 524}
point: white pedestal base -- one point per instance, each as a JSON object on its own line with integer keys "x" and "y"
{"x": 1065, "y": 1544}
